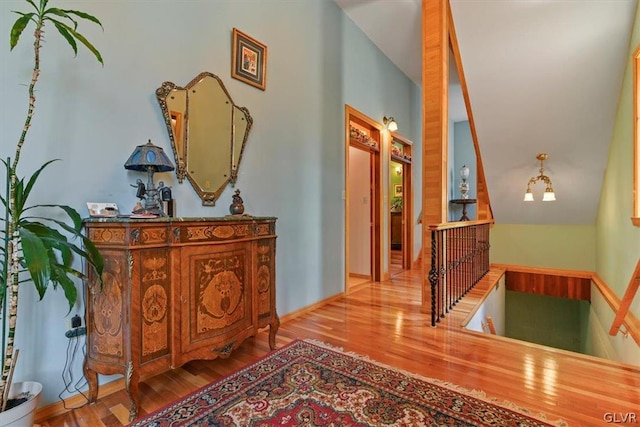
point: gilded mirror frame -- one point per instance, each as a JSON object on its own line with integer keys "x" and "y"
{"x": 202, "y": 120}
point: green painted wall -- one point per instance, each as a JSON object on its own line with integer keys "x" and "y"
{"x": 552, "y": 246}
{"x": 617, "y": 240}
{"x": 551, "y": 321}
{"x": 394, "y": 179}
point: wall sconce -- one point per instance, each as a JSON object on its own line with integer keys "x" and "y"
{"x": 390, "y": 123}
{"x": 150, "y": 158}
{"x": 398, "y": 170}
{"x": 549, "y": 195}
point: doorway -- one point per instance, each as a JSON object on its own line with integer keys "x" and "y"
{"x": 363, "y": 252}
{"x": 400, "y": 205}
{"x": 396, "y": 212}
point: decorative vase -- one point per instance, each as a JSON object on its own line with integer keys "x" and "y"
{"x": 464, "y": 186}
{"x": 237, "y": 207}
{"x": 23, "y": 414}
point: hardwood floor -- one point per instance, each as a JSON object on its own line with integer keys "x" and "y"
{"x": 396, "y": 261}
{"x": 384, "y": 322}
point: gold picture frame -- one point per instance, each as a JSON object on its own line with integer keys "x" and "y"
{"x": 397, "y": 190}
{"x": 248, "y": 60}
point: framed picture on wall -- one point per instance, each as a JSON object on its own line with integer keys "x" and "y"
{"x": 248, "y": 60}
{"x": 397, "y": 190}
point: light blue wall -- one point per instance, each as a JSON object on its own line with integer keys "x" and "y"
{"x": 293, "y": 167}
{"x": 367, "y": 87}
{"x": 464, "y": 154}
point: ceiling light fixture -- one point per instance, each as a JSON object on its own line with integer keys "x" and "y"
{"x": 390, "y": 123}
{"x": 549, "y": 195}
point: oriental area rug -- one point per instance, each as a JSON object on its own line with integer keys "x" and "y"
{"x": 308, "y": 383}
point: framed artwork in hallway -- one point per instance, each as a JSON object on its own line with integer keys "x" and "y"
{"x": 248, "y": 60}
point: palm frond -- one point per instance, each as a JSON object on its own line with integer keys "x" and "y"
{"x": 18, "y": 28}
{"x": 36, "y": 258}
{"x": 61, "y": 13}
{"x": 73, "y": 215}
{"x": 51, "y": 238}
{"x": 64, "y": 33}
{"x": 75, "y": 34}
{"x": 59, "y": 275}
{"x": 34, "y": 178}
{"x": 84, "y": 15}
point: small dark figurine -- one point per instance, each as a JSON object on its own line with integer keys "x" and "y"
{"x": 236, "y": 208}
{"x": 165, "y": 192}
{"x": 141, "y": 189}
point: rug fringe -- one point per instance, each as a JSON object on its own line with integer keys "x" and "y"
{"x": 479, "y": 394}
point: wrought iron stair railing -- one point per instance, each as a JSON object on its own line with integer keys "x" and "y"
{"x": 459, "y": 259}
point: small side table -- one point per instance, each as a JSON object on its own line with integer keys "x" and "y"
{"x": 464, "y": 203}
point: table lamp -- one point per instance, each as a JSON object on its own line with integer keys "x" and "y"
{"x": 150, "y": 158}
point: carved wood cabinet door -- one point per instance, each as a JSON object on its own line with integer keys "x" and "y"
{"x": 215, "y": 294}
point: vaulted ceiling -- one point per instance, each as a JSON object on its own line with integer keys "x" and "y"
{"x": 542, "y": 76}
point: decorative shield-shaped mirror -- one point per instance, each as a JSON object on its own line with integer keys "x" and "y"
{"x": 208, "y": 133}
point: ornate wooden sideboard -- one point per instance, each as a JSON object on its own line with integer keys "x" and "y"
{"x": 175, "y": 290}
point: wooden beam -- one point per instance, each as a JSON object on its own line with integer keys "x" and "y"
{"x": 435, "y": 67}
{"x": 435, "y": 116}
{"x": 576, "y": 288}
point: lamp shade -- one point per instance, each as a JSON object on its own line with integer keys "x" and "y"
{"x": 390, "y": 123}
{"x": 147, "y": 157}
{"x": 464, "y": 172}
{"x": 528, "y": 196}
{"x": 549, "y": 195}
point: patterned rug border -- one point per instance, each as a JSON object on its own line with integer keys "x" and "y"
{"x": 477, "y": 394}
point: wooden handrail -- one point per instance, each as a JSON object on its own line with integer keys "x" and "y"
{"x": 630, "y": 293}
{"x": 458, "y": 224}
{"x": 490, "y": 325}
{"x": 581, "y": 274}
{"x": 630, "y": 322}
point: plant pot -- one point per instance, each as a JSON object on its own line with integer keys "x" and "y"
{"x": 23, "y": 414}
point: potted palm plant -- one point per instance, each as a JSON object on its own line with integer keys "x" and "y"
{"x": 38, "y": 247}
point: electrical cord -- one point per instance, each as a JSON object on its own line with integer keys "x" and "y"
{"x": 73, "y": 345}
{"x": 70, "y": 386}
